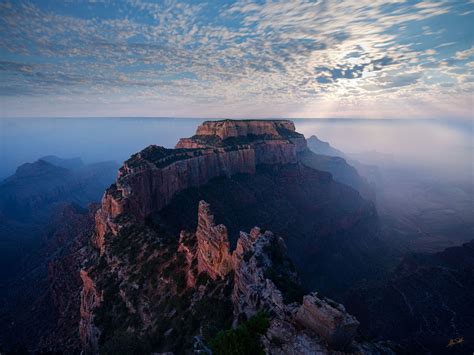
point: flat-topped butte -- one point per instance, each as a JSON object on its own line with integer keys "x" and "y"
{"x": 150, "y": 179}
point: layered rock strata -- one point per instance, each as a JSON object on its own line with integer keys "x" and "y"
{"x": 257, "y": 271}
{"x": 328, "y": 319}
{"x": 151, "y": 178}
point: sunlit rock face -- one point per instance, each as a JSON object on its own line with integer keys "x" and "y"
{"x": 148, "y": 180}
{"x": 213, "y": 245}
{"x": 254, "y": 262}
{"x": 237, "y": 128}
{"x": 274, "y": 142}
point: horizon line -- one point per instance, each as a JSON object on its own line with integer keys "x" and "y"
{"x": 242, "y": 118}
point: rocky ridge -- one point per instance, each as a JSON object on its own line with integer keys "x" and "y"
{"x": 250, "y": 273}
{"x": 256, "y": 254}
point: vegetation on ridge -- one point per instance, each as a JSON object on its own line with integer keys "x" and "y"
{"x": 245, "y": 339}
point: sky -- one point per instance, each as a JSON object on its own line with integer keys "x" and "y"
{"x": 237, "y": 59}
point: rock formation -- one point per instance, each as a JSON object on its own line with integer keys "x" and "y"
{"x": 256, "y": 267}
{"x": 253, "y": 264}
{"x": 213, "y": 245}
{"x": 237, "y": 128}
{"x": 90, "y": 300}
{"x": 328, "y": 319}
{"x": 151, "y": 178}
{"x": 132, "y": 286}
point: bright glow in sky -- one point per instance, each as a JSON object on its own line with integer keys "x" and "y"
{"x": 354, "y": 58}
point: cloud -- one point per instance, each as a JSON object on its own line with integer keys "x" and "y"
{"x": 278, "y": 53}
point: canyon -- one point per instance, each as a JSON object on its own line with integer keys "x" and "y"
{"x": 240, "y": 237}
{"x": 253, "y": 174}
{"x": 241, "y": 283}
{"x": 46, "y": 216}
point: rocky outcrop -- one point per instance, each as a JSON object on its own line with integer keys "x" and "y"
{"x": 252, "y": 288}
{"x": 161, "y": 283}
{"x": 90, "y": 300}
{"x": 258, "y": 257}
{"x": 147, "y": 287}
{"x": 148, "y": 180}
{"x": 328, "y": 319}
{"x": 213, "y": 245}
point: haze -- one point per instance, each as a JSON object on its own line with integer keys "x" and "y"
{"x": 442, "y": 146}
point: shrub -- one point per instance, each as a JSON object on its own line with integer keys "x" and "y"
{"x": 291, "y": 291}
{"x": 245, "y": 339}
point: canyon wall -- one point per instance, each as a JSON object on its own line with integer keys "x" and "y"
{"x": 151, "y": 178}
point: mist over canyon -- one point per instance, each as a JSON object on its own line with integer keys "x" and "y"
{"x": 311, "y": 241}
{"x": 236, "y": 177}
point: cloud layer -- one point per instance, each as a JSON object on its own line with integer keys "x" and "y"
{"x": 295, "y": 58}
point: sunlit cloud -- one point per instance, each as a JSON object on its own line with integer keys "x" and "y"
{"x": 238, "y": 59}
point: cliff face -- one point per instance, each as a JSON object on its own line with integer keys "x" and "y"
{"x": 202, "y": 269}
{"x": 259, "y": 258}
{"x": 261, "y": 176}
{"x": 274, "y": 142}
{"x": 251, "y": 172}
{"x": 90, "y": 300}
{"x": 151, "y": 178}
{"x": 322, "y": 222}
{"x": 213, "y": 245}
{"x": 235, "y": 128}
{"x": 148, "y": 180}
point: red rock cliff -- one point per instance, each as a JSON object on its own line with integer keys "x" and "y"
{"x": 213, "y": 244}
{"x": 274, "y": 142}
{"x": 234, "y": 128}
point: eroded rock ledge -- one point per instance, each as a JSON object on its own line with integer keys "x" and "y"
{"x": 260, "y": 256}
